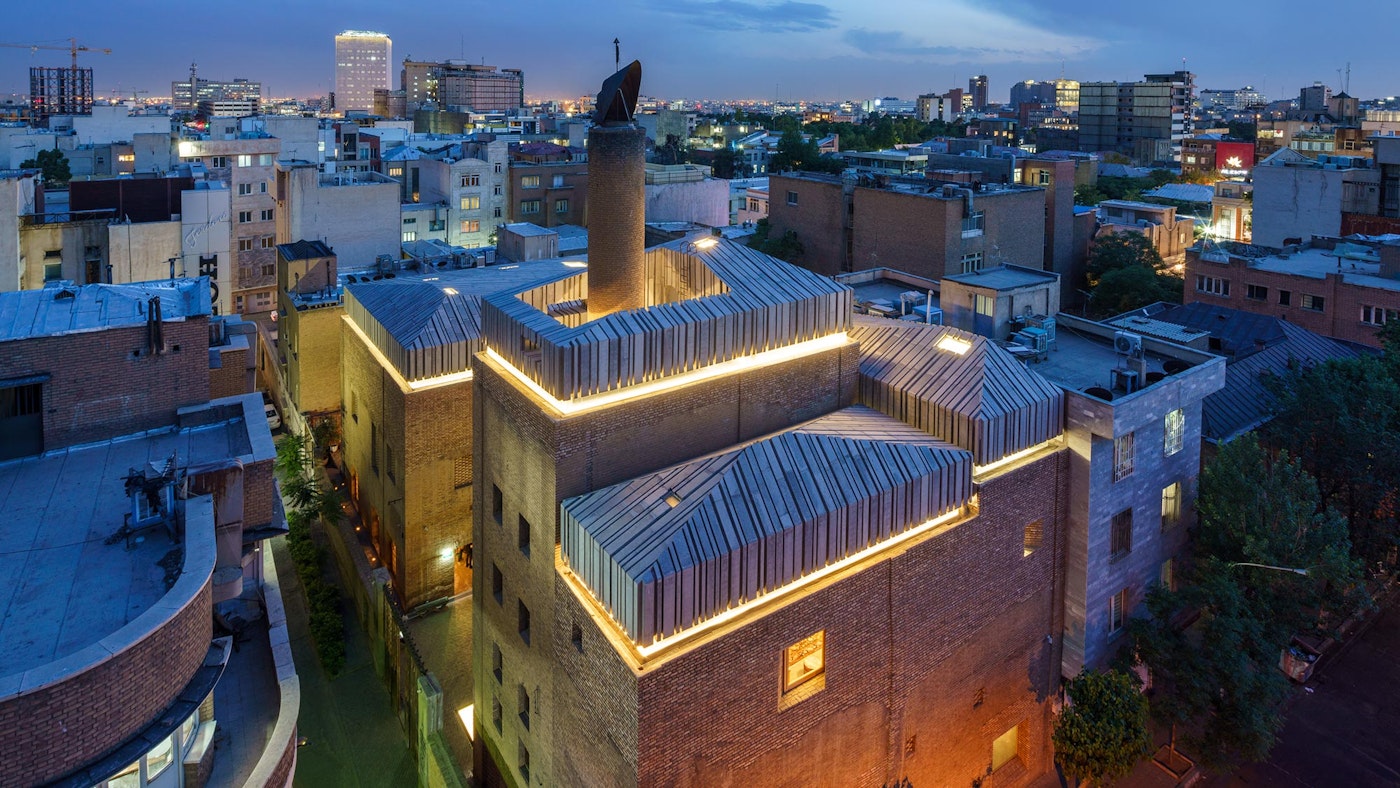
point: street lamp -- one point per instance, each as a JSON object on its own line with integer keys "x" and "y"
{"x": 1295, "y": 571}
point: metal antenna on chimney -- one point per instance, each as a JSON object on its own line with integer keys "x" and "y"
{"x": 617, "y": 55}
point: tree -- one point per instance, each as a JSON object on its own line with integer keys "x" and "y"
{"x": 52, "y": 163}
{"x": 729, "y": 163}
{"x": 1122, "y": 250}
{"x": 796, "y": 153}
{"x": 1341, "y": 419}
{"x": 1103, "y": 733}
{"x": 672, "y": 151}
{"x": 1124, "y": 289}
{"x": 785, "y": 247}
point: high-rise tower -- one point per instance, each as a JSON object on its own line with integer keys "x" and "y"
{"x": 362, "y": 65}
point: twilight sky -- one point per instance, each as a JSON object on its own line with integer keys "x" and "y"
{"x": 821, "y": 49}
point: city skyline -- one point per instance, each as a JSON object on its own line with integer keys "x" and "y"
{"x": 830, "y": 50}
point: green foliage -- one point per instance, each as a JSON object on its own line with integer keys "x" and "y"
{"x": 324, "y": 433}
{"x": 52, "y": 163}
{"x": 1243, "y": 130}
{"x": 729, "y": 163}
{"x": 1341, "y": 419}
{"x": 795, "y": 153}
{"x": 322, "y": 598}
{"x": 293, "y": 456}
{"x": 1123, "y": 289}
{"x": 672, "y": 151}
{"x": 1104, "y": 732}
{"x": 785, "y": 247}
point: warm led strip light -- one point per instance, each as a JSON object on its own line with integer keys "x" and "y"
{"x": 416, "y": 385}
{"x": 979, "y": 470}
{"x": 595, "y": 401}
{"x": 796, "y": 585}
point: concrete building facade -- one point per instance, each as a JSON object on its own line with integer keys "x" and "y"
{"x": 363, "y": 64}
{"x": 356, "y": 214}
{"x": 1296, "y": 197}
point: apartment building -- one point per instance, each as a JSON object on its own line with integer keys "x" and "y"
{"x": 356, "y": 214}
{"x": 548, "y": 193}
{"x": 363, "y": 64}
{"x": 1145, "y": 120}
{"x": 457, "y": 85}
{"x": 1169, "y": 234}
{"x": 1340, "y": 288}
{"x": 922, "y": 227}
{"x": 472, "y": 181}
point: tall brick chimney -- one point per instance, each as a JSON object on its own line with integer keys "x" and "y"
{"x": 617, "y": 199}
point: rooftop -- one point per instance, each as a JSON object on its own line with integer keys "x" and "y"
{"x": 1081, "y": 359}
{"x": 304, "y": 250}
{"x": 722, "y": 519}
{"x": 1357, "y": 264}
{"x": 68, "y": 309}
{"x": 65, "y": 588}
{"x": 1183, "y": 192}
{"x": 1004, "y": 277}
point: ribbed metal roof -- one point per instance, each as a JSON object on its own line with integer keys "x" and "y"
{"x": 668, "y": 550}
{"x": 982, "y": 400}
{"x": 74, "y": 308}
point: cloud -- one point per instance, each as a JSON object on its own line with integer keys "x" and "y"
{"x": 897, "y": 45}
{"x": 786, "y": 16}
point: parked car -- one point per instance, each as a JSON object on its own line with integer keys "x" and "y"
{"x": 273, "y": 420}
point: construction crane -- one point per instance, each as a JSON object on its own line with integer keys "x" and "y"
{"x": 73, "y": 48}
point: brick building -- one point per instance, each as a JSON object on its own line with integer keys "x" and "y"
{"x": 111, "y": 667}
{"x": 695, "y": 477}
{"x": 1344, "y": 289}
{"x": 1169, "y": 234}
{"x": 547, "y": 189}
{"x": 924, "y": 228}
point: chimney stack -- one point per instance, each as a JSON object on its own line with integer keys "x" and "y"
{"x": 617, "y": 198}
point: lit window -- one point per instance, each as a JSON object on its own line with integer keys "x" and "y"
{"x": 1121, "y": 534}
{"x": 187, "y": 729}
{"x": 159, "y": 758}
{"x": 1171, "y": 505}
{"x": 471, "y": 179}
{"x": 471, "y": 202}
{"x": 1117, "y": 607}
{"x": 1006, "y": 748}
{"x": 1174, "y": 430}
{"x": 530, "y": 182}
{"x": 954, "y": 345}
{"x": 804, "y": 661}
{"x": 984, "y": 305}
{"x": 1122, "y": 457}
{"x": 471, "y": 226}
{"x": 1035, "y": 533}
{"x": 529, "y": 206}
{"x": 1312, "y": 302}
{"x": 558, "y": 182}
{"x": 245, "y": 160}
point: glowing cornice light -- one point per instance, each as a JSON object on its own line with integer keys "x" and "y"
{"x": 416, "y": 385}
{"x": 788, "y": 590}
{"x": 954, "y": 345}
{"x": 732, "y": 366}
{"x": 980, "y": 470}
{"x": 705, "y": 243}
{"x": 575, "y": 264}
{"x": 450, "y": 290}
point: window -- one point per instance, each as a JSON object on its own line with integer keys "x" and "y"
{"x": 1117, "y": 604}
{"x": 1256, "y": 292}
{"x": 984, "y": 305}
{"x": 1122, "y": 457}
{"x": 1006, "y": 748}
{"x": 187, "y": 729}
{"x": 1171, "y": 505}
{"x": 805, "y": 661}
{"x": 523, "y": 621}
{"x": 1173, "y": 431}
{"x": 130, "y": 777}
{"x": 397, "y": 172}
{"x": 126, "y": 158}
{"x": 496, "y": 212}
{"x": 558, "y": 182}
{"x": 1376, "y": 316}
{"x": 245, "y": 160}
{"x": 245, "y": 216}
{"x": 218, "y": 161}
{"x": 53, "y": 271}
{"x": 1312, "y": 302}
{"x": 461, "y": 472}
{"x": 973, "y": 225}
{"x": 262, "y": 300}
{"x": 266, "y": 214}
{"x": 522, "y": 700}
{"x": 530, "y": 182}
{"x": 471, "y": 202}
{"x": 496, "y": 712}
{"x": 268, "y": 270}
{"x": 408, "y": 235}
{"x": 266, "y": 242}
{"x": 471, "y": 226}
{"x": 1164, "y": 576}
{"x": 1043, "y": 177}
{"x": 159, "y": 758}
{"x": 389, "y": 461}
{"x": 1035, "y": 533}
{"x": 498, "y": 584}
{"x": 561, "y": 206}
{"x": 374, "y": 447}
{"x": 1285, "y": 297}
{"x": 1121, "y": 536}
{"x": 497, "y": 662}
{"x": 972, "y": 262}
{"x": 524, "y": 762}
{"x": 245, "y": 188}
{"x": 792, "y": 198}
{"x": 1212, "y": 285}
{"x": 529, "y": 206}
{"x": 265, "y": 159}
{"x": 496, "y": 190}
{"x": 523, "y": 536}
{"x": 576, "y": 637}
{"x": 498, "y": 503}
{"x": 471, "y": 179}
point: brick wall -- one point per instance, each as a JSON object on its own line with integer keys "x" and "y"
{"x": 932, "y": 652}
{"x": 57, "y": 729}
{"x": 107, "y": 383}
{"x": 817, "y": 216}
{"x": 232, "y": 378}
{"x": 538, "y": 459}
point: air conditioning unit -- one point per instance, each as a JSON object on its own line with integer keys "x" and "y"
{"x": 1127, "y": 343}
